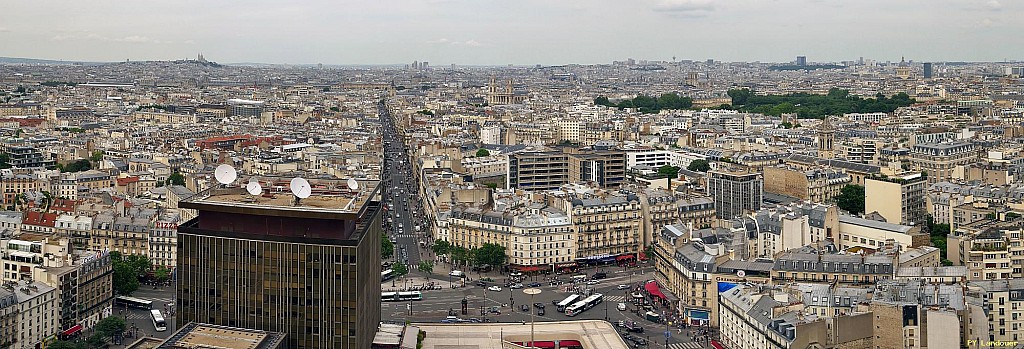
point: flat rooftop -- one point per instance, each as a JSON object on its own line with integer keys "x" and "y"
{"x": 328, "y": 196}
{"x": 592, "y": 334}
{"x": 196, "y": 335}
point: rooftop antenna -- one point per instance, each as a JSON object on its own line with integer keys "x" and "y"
{"x": 300, "y": 188}
{"x": 254, "y": 188}
{"x": 225, "y": 174}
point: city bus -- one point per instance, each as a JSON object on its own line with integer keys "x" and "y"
{"x": 133, "y": 302}
{"x": 401, "y": 296}
{"x": 387, "y": 274}
{"x": 583, "y": 305}
{"x": 567, "y": 302}
{"x": 158, "y": 320}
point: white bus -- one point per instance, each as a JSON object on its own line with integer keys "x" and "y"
{"x": 133, "y": 302}
{"x": 583, "y": 305}
{"x": 158, "y": 321}
{"x": 567, "y": 302}
{"x": 401, "y": 296}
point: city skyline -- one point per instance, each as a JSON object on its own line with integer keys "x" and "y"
{"x": 447, "y": 32}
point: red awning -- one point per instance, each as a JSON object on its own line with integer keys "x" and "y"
{"x": 643, "y": 256}
{"x": 539, "y": 344}
{"x": 717, "y": 345}
{"x": 567, "y": 265}
{"x": 74, "y": 329}
{"x": 652, "y": 288}
{"x": 569, "y": 343}
{"x": 624, "y": 257}
{"x": 529, "y": 268}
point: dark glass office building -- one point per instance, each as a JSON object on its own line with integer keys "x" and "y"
{"x": 310, "y": 270}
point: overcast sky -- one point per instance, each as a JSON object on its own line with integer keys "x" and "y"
{"x": 513, "y": 31}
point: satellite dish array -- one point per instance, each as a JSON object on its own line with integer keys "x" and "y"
{"x": 300, "y": 187}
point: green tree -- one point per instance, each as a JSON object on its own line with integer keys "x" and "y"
{"x": 110, "y": 326}
{"x": 5, "y": 160}
{"x": 96, "y": 341}
{"x": 482, "y": 153}
{"x": 65, "y": 345}
{"x": 400, "y": 269}
{"x": 441, "y": 247}
{"x": 491, "y": 254}
{"x": 76, "y": 166}
{"x": 740, "y": 96}
{"x": 387, "y": 249}
{"x": 127, "y": 270}
{"x": 699, "y": 165}
{"x": 96, "y": 156}
{"x": 162, "y": 274}
{"x": 669, "y": 171}
{"x": 176, "y": 179}
{"x": 851, "y": 199}
{"x": 426, "y": 267}
{"x": 602, "y": 100}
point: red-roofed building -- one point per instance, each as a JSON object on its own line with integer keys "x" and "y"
{"x": 40, "y": 222}
{"x": 229, "y": 142}
{"x": 63, "y": 205}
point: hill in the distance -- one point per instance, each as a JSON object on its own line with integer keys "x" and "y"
{"x": 15, "y": 60}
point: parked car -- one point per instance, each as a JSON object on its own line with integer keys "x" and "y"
{"x": 539, "y": 305}
{"x": 525, "y": 308}
{"x": 494, "y": 288}
{"x": 540, "y": 312}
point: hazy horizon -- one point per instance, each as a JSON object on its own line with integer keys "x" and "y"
{"x": 494, "y": 33}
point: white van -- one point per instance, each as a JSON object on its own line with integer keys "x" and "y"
{"x": 457, "y": 273}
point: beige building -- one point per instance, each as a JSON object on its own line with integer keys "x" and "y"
{"x": 534, "y": 238}
{"x": 940, "y": 159}
{"x": 818, "y": 185}
{"x": 874, "y": 235}
{"x": 991, "y": 250}
{"x": 607, "y": 224}
{"x": 899, "y": 200}
{"x": 38, "y": 315}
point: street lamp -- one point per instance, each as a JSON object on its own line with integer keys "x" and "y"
{"x": 532, "y": 292}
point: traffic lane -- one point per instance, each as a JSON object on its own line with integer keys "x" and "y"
{"x": 162, "y": 298}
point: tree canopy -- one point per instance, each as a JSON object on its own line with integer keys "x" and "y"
{"x": 387, "y": 249}
{"x": 851, "y": 199}
{"x": 127, "y": 270}
{"x": 814, "y": 106}
{"x": 176, "y": 179}
{"x": 491, "y": 254}
{"x": 482, "y": 152}
{"x": 76, "y": 166}
{"x": 649, "y": 104}
{"x": 699, "y": 165}
{"x": 441, "y": 247}
{"x": 669, "y": 171}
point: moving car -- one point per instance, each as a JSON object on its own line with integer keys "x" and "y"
{"x": 621, "y": 306}
{"x": 539, "y": 305}
{"x": 516, "y": 286}
{"x": 592, "y": 282}
{"x": 494, "y": 288}
{"x": 533, "y": 284}
{"x": 525, "y": 308}
{"x": 622, "y": 287}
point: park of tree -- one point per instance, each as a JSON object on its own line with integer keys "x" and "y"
{"x": 648, "y": 104}
{"x": 814, "y": 106}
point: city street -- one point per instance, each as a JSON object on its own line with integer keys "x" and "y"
{"x": 436, "y": 305}
{"x": 162, "y": 297}
{"x": 400, "y": 190}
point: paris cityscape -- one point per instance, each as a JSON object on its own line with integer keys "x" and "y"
{"x": 473, "y": 175}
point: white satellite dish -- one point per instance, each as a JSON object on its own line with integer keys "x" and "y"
{"x": 225, "y": 174}
{"x": 254, "y": 188}
{"x": 353, "y": 184}
{"x": 300, "y": 188}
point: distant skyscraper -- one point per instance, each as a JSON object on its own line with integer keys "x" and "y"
{"x": 801, "y": 60}
{"x": 927, "y": 70}
{"x": 310, "y": 270}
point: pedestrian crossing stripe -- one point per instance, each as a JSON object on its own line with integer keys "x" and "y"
{"x": 615, "y": 298}
{"x": 690, "y": 345}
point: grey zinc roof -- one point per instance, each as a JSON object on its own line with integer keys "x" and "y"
{"x": 897, "y": 228}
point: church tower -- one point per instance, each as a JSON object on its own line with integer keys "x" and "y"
{"x": 826, "y": 139}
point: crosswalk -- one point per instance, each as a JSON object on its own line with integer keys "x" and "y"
{"x": 690, "y": 345}
{"x": 614, "y": 298}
